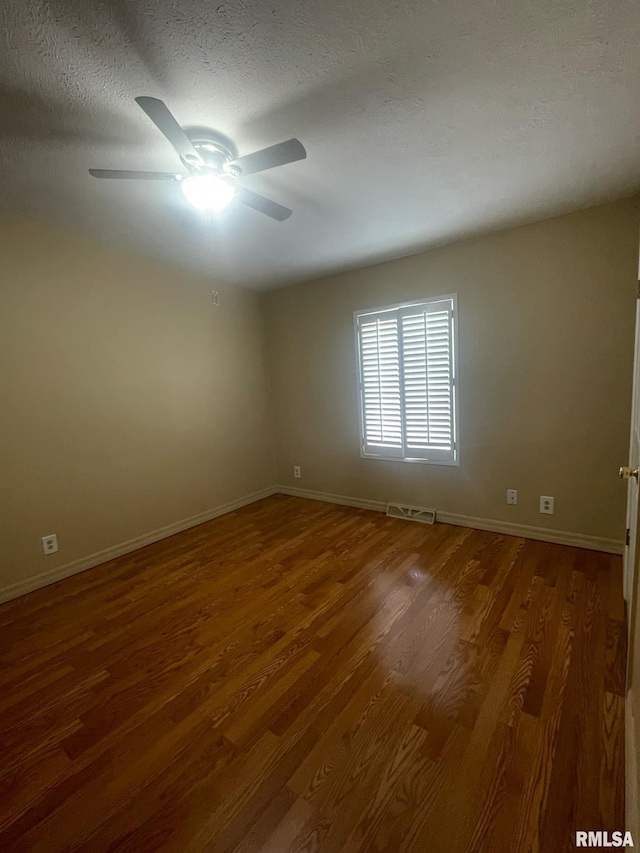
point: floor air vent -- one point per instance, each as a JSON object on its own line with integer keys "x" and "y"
{"x": 413, "y": 513}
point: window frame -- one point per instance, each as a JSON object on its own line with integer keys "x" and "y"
{"x": 387, "y": 454}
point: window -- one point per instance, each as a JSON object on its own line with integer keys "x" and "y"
{"x": 407, "y": 371}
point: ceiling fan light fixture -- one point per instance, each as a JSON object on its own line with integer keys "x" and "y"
{"x": 209, "y": 158}
{"x": 207, "y": 192}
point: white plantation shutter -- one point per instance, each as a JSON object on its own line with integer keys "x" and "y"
{"x": 380, "y": 381}
{"x": 407, "y": 381}
{"x": 427, "y": 345}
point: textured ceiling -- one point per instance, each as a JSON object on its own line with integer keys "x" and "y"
{"x": 424, "y": 121}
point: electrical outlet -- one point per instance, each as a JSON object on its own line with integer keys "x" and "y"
{"x": 215, "y": 297}
{"x": 50, "y": 544}
{"x": 512, "y": 496}
{"x": 296, "y": 472}
{"x": 546, "y": 504}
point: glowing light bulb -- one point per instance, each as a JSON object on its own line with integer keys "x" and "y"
{"x": 207, "y": 192}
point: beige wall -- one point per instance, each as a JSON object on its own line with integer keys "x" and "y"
{"x": 546, "y": 323}
{"x": 128, "y": 402}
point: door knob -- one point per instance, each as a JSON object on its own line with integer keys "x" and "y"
{"x": 626, "y": 473}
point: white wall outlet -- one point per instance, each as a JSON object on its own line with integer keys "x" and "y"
{"x": 512, "y": 496}
{"x": 215, "y": 297}
{"x": 546, "y": 504}
{"x": 50, "y": 544}
{"x": 296, "y": 472}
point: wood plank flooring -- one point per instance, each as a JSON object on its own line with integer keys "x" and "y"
{"x": 297, "y": 676}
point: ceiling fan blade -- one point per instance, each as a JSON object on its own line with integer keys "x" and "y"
{"x": 131, "y": 175}
{"x": 163, "y": 119}
{"x": 268, "y": 158}
{"x": 262, "y": 204}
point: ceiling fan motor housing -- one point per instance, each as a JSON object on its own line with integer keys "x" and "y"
{"x": 215, "y": 155}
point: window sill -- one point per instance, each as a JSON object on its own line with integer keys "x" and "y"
{"x": 450, "y": 462}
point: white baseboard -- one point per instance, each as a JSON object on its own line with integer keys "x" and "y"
{"x": 632, "y": 809}
{"x": 46, "y": 578}
{"x": 559, "y": 537}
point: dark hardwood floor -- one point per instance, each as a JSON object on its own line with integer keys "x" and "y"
{"x": 298, "y": 676}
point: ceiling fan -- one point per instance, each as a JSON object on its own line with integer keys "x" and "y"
{"x": 211, "y": 183}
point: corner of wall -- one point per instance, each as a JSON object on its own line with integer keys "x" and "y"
{"x": 268, "y": 361}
